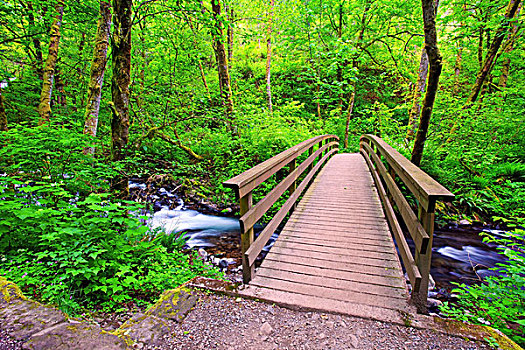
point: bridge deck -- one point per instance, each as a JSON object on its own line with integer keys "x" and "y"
{"x": 336, "y": 253}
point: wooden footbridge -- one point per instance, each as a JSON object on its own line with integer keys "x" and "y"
{"x": 346, "y": 215}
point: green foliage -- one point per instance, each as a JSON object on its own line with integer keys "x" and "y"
{"x": 65, "y": 245}
{"x": 499, "y": 301}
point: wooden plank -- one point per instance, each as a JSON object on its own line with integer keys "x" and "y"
{"x": 257, "y": 246}
{"x": 340, "y": 207}
{"x": 350, "y": 200}
{"x": 410, "y": 265}
{"x": 372, "y": 240}
{"x": 359, "y": 286}
{"x": 330, "y": 293}
{"x": 341, "y": 226}
{"x": 336, "y": 258}
{"x": 334, "y": 244}
{"x": 366, "y": 215}
{"x": 357, "y": 227}
{"x": 418, "y": 234}
{"x": 345, "y": 266}
{"x": 313, "y": 303}
{"x": 351, "y": 236}
{"x": 319, "y": 271}
{"x": 339, "y": 251}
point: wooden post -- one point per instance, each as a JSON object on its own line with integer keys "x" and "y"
{"x": 423, "y": 261}
{"x": 291, "y": 167}
{"x": 248, "y": 272}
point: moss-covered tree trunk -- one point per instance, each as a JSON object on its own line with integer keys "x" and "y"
{"x": 222, "y": 60}
{"x": 36, "y": 42}
{"x": 435, "y": 65}
{"x": 44, "y": 108}
{"x": 229, "y": 33}
{"x": 96, "y": 77}
{"x": 121, "y": 65}
{"x": 269, "y": 57}
{"x": 3, "y": 114}
{"x": 419, "y": 89}
{"x": 509, "y": 46}
{"x": 492, "y": 53}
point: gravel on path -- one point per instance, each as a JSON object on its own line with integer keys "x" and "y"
{"x": 223, "y": 322}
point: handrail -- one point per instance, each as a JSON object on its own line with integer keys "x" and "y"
{"x": 426, "y": 190}
{"x": 246, "y": 182}
{"x": 421, "y": 227}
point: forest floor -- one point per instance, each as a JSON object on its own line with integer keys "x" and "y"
{"x": 200, "y": 319}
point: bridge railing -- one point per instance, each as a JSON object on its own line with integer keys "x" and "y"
{"x": 244, "y": 184}
{"x": 387, "y": 164}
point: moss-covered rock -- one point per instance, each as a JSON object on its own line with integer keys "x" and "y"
{"x": 9, "y": 292}
{"x": 477, "y": 332}
{"x": 144, "y": 329}
{"x": 174, "y": 304}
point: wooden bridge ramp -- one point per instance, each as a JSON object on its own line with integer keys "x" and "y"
{"x": 336, "y": 252}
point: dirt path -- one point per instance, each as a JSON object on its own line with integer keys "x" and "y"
{"x": 222, "y": 322}
{"x": 187, "y": 318}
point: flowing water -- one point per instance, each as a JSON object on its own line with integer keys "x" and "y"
{"x": 458, "y": 253}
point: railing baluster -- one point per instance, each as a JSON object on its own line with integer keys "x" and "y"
{"x": 246, "y": 239}
{"x": 310, "y": 151}
{"x": 291, "y": 167}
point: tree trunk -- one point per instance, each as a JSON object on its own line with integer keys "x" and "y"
{"x": 457, "y": 70}
{"x": 222, "y": 60}
{"x": 418, "y": 92}
{"x": 435, "y": 63}
{"x": 480, "y": 48}
{"x": 96, "y": 77}
{"x": 36, "y": 42}
{"x": 269, "y": 57}
{"x": 340, "y": 64}
{"x": 489, "y": 61}
{"x": 505, "y": 68}
{"x": 44, "y": 108}
{"x": 60, "y": 96}
{"x": 229, "y": 33}
{"x": 349, "y": 116}
{"x": 355, "y": 65}
{"x": 121, "y": 64}
{"x": 3, "y": 114}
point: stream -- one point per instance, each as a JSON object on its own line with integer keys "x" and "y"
{"x": 458, "y": 253}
